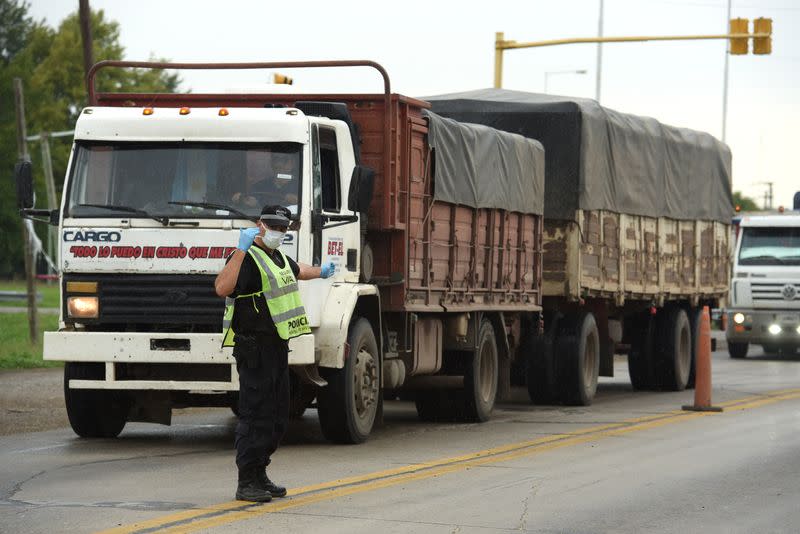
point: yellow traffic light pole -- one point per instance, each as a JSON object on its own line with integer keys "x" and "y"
{"x": 764, "y": 35}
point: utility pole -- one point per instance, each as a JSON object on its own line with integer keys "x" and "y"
{"x": 597, "y": 83}
{"x": 30, "y": 266}
{"x": 86, "y": 36}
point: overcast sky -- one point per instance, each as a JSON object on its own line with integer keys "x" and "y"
{"x": 431, "y": 47}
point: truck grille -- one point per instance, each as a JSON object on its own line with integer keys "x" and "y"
{"x": 174, "y": 302}
{"x": 775, "y": 291}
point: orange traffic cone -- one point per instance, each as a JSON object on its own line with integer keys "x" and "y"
{"x": 702, "y": 389}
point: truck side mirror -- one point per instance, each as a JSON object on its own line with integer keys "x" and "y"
{"x": 361, "y": 184}
{"x": 24, "y": 177}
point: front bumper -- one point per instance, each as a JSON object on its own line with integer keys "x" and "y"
{"x": 142, "y": 347}
{"x": 755, "y": 329}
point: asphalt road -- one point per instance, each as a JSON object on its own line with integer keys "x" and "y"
{"x": 632, "y": 462}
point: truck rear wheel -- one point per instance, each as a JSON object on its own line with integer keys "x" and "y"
{"x": 737, "y": 350}
{"x": 578, "y": 346}
{"x": 348, "y": 405}
{"x": 480, "y": 377}
{"x": 673, "y": 349}
{"x": 94, "y": 413}
{"x": 641, "y": 331}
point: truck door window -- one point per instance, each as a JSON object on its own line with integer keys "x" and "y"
{"x": 329, "y": 159}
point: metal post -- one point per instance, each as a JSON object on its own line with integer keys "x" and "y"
{"x": 52, "y": 199}
{"x": 498, "y": 60}
{"x": 30, "y": 266}
{"x": 725, "y": 79}
{"x": 599, "y": 55}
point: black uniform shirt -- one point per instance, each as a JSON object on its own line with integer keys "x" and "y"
{"x": 250, "y": 314}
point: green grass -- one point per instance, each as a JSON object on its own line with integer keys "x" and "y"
{"x": 16, "y": 350}
{"x": 49, "y": 292}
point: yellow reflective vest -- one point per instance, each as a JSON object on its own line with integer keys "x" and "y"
{"x": 279, "y": 287}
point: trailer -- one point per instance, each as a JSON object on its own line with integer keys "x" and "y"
{"x": 636, "y": 239}
{"x": 435, "y": 228}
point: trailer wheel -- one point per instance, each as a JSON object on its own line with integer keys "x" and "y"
{"x": 578, "y": 345}
{"x": 673, "y": 349}
{"x": 541, "y": 366}
{"x": 480, "y": 377}
{"x": 94, "y": 413}
{"x": 349, "y": 403}
{"x": 695, "y": 316}
{"x": 737, "y": 350}
{"x": 640, "y": 358}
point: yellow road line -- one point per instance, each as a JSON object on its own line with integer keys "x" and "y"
{"x": 232, "y": 511}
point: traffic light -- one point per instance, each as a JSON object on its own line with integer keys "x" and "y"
{"x": 762, "y": 45}
{"x": 740, "y": 45}
{"x": 281, "y": 78}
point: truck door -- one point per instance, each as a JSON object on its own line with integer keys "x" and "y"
{"x": 331, "y": 241}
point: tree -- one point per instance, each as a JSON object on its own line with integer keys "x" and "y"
{"x": 744, "y": 203}
{"x": 50, "y": 64}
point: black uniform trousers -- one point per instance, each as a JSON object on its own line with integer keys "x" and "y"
{"x": 263, "y": 365}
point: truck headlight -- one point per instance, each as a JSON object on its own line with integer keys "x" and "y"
{"x": 82, "y": 307}
{"x": 738, "y": 318}
{"x": 798, "y": 329}
{"x": 774, "y": 329}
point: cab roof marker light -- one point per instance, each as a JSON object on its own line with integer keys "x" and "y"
{"x": 291, "y": 112}
{"x": 184, "y": 111}
{"x": 223, "y": 112}
{"x": 147, "y": 111}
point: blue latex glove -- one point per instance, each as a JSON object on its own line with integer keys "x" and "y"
{"x": 327, "y": 270}
{"x": 246, "y": 237}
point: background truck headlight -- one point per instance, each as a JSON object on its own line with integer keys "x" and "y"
{"x": 774, "y": 329}
{"x": 738, "y": 318}
{"x": 82, "y": 307}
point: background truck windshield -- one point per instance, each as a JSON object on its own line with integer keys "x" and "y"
{"x": 770, "y": 246}
{"x": 148, "y": 176}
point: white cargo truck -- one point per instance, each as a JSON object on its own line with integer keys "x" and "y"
{"x": 765, "y": 288}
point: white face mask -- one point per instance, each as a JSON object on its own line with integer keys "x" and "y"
{"x": 273, "y": 238}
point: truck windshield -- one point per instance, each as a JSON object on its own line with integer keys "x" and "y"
{"x": 176, "y": 179}
{"x": 770, "y": 246}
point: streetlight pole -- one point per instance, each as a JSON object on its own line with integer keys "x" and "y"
{"x": 725, "y": 81}
{"x": 547, "y": 75}
{"x": 599, "y": 55}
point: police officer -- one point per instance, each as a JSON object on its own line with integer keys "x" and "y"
{"x": 262, "y": 312}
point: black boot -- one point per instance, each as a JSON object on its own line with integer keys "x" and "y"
{"x": 270, "y": 486}
{"x": 250, "y": 487}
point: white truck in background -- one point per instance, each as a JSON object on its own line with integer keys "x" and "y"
{"x": 765, "y": 288}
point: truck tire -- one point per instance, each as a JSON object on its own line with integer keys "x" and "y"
{"x": 578, "y": 346}
{"x": 737, "y": 351}
{"x": 695, "y": 316}
{"x": 541, "y": 378}
{"x": 673, "y": 349}
{"x": 348, "y": 405}
{"x": 640, "y": 358}
{"x": 94, "y": 413}
{"x": 480, "y": 376}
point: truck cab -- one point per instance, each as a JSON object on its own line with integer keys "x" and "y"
{"x": 153, "y": 202}
{"x": 765, "y": 288}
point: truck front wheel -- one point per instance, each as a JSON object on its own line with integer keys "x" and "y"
{"x": 348, "y": 405}
{"x": 94, "y": 413}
